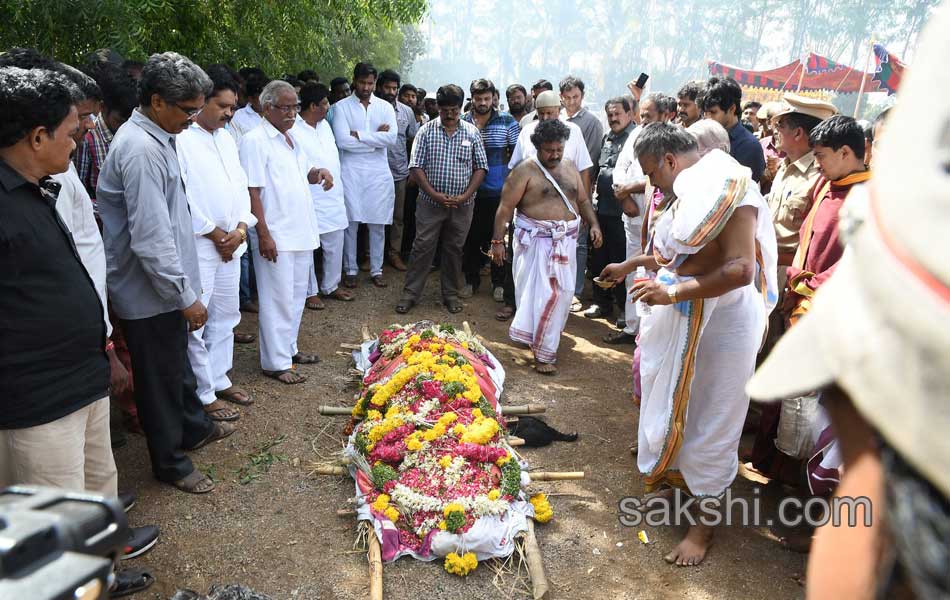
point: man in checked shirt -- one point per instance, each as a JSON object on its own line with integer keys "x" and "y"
{"x": 449, "y": 163}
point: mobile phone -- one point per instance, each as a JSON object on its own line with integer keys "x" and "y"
{"x": 642, "y": 80}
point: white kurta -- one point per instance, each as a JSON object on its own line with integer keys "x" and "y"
{"x": 243, "y": 121}
{"x": 320, "y": 147}
{"x": 575, "y": 150}
{"x": 367, "y": 181}
{"x": 214, "y": 181}
{"x": 75, "y": 209}
{"x": 281, "y": 171}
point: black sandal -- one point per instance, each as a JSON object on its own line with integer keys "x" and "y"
{"x": 305, "y": 359}
{"x": 130, "y": 581}
{"x": 454, "y": 305}
{"x": 405, "y": 305}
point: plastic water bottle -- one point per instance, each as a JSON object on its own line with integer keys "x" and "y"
{"x": 643, "y": 309}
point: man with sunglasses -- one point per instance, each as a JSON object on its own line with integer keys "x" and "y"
{"x": 153, "y": 276}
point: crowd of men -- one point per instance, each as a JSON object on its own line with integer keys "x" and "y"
{"x": 144, "y": 206}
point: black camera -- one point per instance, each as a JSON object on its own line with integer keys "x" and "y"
{"x": 58, "y": 545}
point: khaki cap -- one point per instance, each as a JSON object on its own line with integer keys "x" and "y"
{"x": 880, "y": 326}
{"x": 769, "y": 110}
{"x": 793, "y": 103}
{"x": 547, "y": 99}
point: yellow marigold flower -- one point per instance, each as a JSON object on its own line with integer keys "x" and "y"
{"x": 503, "y": 460}
{"x": 465, "y": 345}
{"x": 381, "y": 503}
{"x": 442, "y": 525}
{"x": 392, "y": 514}
{"x": 460, "y": 565}
{"x": 452, "y": 507}
{"x": 459, "y": 430}
{"x": 494, "y": 494}
{"x": 468, "y": 369}
{"x": 373, "y": 415}
{"x": 542, "y": 508}
{"x": 477, "y": 413}
{"x": 445, "y": 462}
{"x": 413, "y": 444}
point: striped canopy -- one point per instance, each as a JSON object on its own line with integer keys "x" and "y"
{"x": 821, "y": 74}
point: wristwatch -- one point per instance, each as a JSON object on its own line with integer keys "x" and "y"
{"x": 671, "y": 292}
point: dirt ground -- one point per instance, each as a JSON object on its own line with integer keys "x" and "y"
{"x": 278, "y": 531}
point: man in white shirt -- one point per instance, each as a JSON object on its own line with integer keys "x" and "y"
{"x": 251, "y": 115}
{"x": 285, "y": 237}
{"x": 313, "y": 133}
{"x": 364, "y": 126}
{"x": 220, "y": 216}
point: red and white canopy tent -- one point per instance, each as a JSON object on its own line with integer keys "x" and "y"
{"x": 814, "y": 73}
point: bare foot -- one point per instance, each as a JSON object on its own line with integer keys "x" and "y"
{"x": 545, "y": 368}
{"x": 692, "y": 550}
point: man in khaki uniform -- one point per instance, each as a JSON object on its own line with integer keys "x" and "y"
{"x": 793, "y": 188}
{"x": 797, "y": 173}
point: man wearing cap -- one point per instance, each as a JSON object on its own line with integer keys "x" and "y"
{"x": 795, "y": 184}
{"x": 876, "y": 344}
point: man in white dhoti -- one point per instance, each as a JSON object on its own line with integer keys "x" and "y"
{"x": 220, "y": 216}
{"x": 714, "y": 250}
{"x": 313, "y": 133}
{"x": 285, "y": 237}
{"x": 550, "y": 198}
{"x": 364, "y": 126}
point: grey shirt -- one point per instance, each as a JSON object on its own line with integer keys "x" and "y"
{"x": 146, "y": 226}
{"x": 592, "y": 129}
{"x": 406, "y": 129}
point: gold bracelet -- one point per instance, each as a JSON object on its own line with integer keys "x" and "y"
{"x": 243, "y": 234}
{"x": 671, "y": 292}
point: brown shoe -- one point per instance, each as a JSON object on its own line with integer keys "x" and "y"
{"x": 341, "y": 295}
{"x": 396, "y": 262}
{"x": 349, "y": 281}
{"x": 379, "y": 282}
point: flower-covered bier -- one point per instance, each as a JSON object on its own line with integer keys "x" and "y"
{"x": 430, "y": 444}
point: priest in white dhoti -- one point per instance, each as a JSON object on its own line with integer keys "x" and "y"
{"x": 315, "y": 136}
{"x": 715, "y": 255}
{"x": 278, "y": 174}
{"x": 364, "y": 126}
{"x": 549, "y": 197}
{"x": 220, "y": 216}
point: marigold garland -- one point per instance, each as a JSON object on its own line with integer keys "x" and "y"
{"x": 542, "y": 508}
{"x": 460, "y": 565}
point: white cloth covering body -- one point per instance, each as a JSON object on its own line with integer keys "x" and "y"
{"x": 696, "y": 356}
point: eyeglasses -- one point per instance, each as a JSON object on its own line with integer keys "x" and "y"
{"x": 288, "y": 108}
{"x": 191, "y": 112}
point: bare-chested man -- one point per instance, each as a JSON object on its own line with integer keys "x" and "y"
{"x": 551, "y": 199}
{"x": 709, "y": 304}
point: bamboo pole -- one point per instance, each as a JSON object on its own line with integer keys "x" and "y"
{"x": 801, "y": 76}
{"x": 556, "y": 475}
{"x": 336, "y": 411}
{"x": 345, "y": 512}
{"x": 329, "y": 470}
{"x": 523, "y": 409}
{"x": 539, "y": 581}
{"x": 374, "y": 557}
{"x": 346, "y": 346}
{"x": 514, "y": 440}
{"x": 364, "y": 333}
{"x": 864, "y": 78}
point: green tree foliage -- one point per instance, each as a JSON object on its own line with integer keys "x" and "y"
{"x": 279, "y": 36}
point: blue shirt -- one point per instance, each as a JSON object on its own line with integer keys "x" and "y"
{"x": 746, "y": 148}
{"x": 499, "y": 135}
